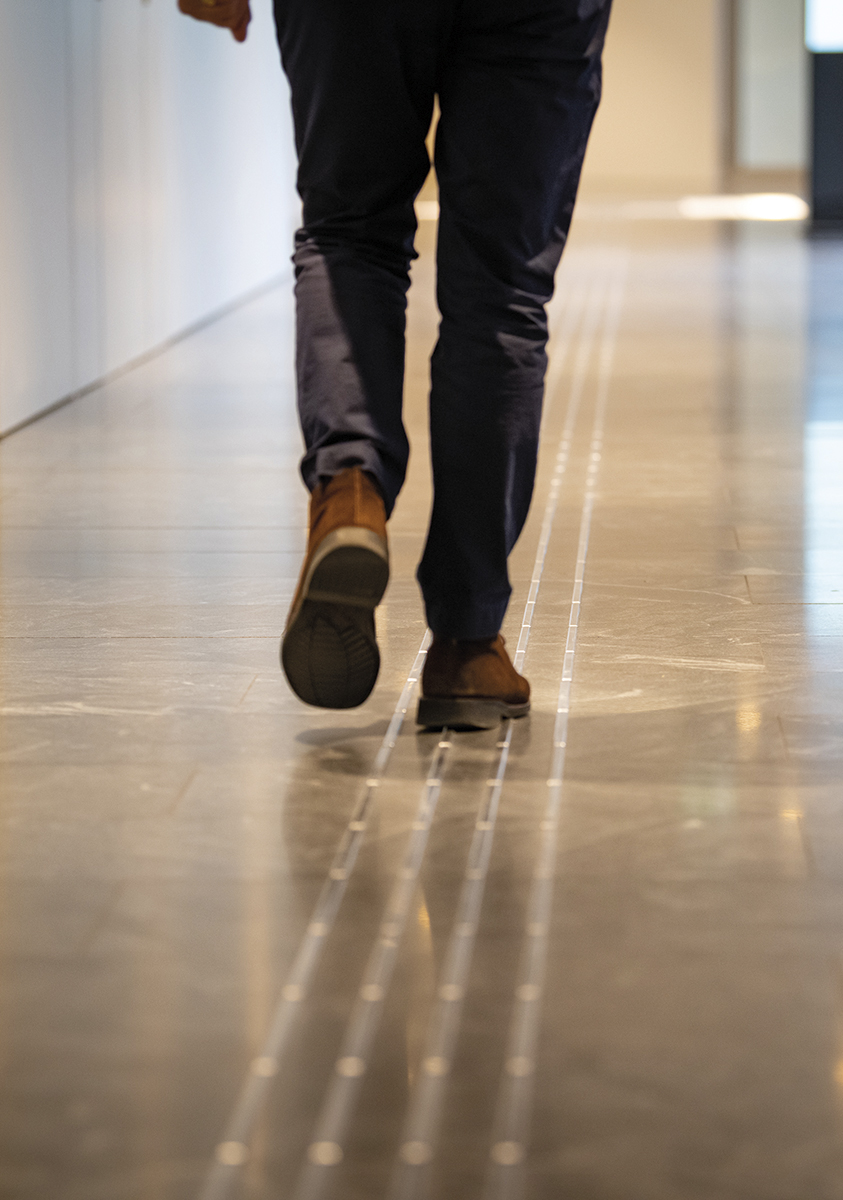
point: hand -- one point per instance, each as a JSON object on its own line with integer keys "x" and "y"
{"x": 230, "y": 14}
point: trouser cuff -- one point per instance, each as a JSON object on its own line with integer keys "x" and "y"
{"x": 327, "y": 462}
{"x": 466, "y": 619}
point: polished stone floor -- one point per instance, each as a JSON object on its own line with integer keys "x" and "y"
{"x": 256, "y": 951}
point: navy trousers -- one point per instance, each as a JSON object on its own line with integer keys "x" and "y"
{"x": 518, "y": 83}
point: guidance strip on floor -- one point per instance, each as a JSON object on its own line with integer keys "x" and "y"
{"x": 505, "y": 1178}
{"x": 410, "y": 1179}
{"x": 232, "y": 1153}
{"x": 326, "y": 1149}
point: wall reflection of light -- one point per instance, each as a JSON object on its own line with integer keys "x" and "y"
{"x": 823, "y": 440}
{"x": 823, "y": 509}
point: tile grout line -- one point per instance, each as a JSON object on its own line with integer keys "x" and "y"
{"x": 326, "y": 1147}
{"x": 423, "y": 1118}
{"x": 232, "y": 1152}
{"x": 505, "y": 1177}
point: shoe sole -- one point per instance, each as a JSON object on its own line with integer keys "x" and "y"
{"x": 329, "y": 652}
{"x": 469, "y": 713}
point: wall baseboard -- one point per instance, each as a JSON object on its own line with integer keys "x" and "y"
{"x": 224, "y": 310}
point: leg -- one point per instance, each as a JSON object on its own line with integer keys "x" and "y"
{"x": 519, "y": 89}
{"x": 363, "y": 78}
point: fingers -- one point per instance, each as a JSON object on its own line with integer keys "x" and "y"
{"x": 228, "y": 14}
{"x": 241, "y": 30}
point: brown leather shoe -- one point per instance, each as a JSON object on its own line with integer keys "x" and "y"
{"x": 470, "y": 685}
{"x": 329, "y": 652}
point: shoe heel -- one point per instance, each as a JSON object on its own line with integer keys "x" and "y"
{"x": 353, "y": 575}
{"x": 351, "y": 567}
{"x": 329, "y": 652}
{"x": 434, "y": 713}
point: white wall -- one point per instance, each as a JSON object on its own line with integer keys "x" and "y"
{"x": 146, "y": 179}
{"x": 772, "y": 85}
{"x": 661, "y": 124}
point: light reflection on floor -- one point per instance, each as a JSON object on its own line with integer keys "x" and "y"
{"x": 253, "y": 950}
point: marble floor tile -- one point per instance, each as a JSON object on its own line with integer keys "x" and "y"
{"x": 595, "y": 955}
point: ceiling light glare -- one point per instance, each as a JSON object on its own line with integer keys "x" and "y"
{"x": 764, "y": 206}
{"x": 824, "y": 26}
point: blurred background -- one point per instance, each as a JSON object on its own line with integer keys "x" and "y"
{"x": 147, "y": 168}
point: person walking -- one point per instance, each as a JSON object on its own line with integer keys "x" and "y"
{"x": 518, "y": 83}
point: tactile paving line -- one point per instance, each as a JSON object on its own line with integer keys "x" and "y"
{"x": 326, "y": 1151}
{"x": 505, "y": 1177}
{"x": 232, "y": 1152}
{"x": 421, "y": 1128}
{"x": 352, "y": 1063}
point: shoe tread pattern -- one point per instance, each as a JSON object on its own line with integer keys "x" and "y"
{"x": 329, "y": 652}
